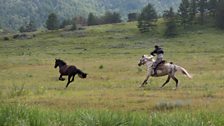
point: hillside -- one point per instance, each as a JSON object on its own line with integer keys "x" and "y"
{"x": 15, "y": 13}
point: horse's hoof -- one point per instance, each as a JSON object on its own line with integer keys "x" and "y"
{"x": 174, "y": 88}
{"x": 61, "y": 79}
{"x": 141, "y": 86}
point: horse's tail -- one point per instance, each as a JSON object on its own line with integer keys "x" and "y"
{"x": 184, "y": 71}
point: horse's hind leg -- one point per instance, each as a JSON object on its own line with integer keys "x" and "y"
{"x": 72, "y": 78}
{"x": 176, "y": 80}
{"x": 168, "y": 79}
{"x": 69, "y": 77}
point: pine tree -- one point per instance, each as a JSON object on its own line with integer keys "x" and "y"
{"x": 170, "y": 19}
{"x": 65, "y": 23}
{"x": 30, "y": 27}
{"x": 193, "y": 10}
{"x": 144, "y": 26}
{"x": 80, "y": 20}
{"x": 110, "y": 17}
{"x": 132, "y": 17}
{"x": 116, "y": 17}
{"x": 212, "y": 7}
{"x": 220, "y": 14}
{"x": 184, "y": 14}
{"x": 147, "y": 19}
{"x": 74, "y": 25}
{"x": 52, "y": 22}
{"x": 202, "y": 5}
{"x": 92, "y": 20}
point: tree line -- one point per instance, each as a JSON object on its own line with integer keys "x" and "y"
{"x": 189, "y": 14}
{"x": 15, "y": 12}
{"x": 53, "y": 23}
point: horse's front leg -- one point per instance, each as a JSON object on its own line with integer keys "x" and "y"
{"x": 60, "y": 78}
{"x": 145, "y": 81}
{"x": 69, "y": 77}
{"x": 168, "y": 79}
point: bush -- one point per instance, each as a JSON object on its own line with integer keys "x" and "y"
{"x": 28, "y": 27}
{"x": 6, "y": 38}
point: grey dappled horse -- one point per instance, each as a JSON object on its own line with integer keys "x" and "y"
{"x": 163, "y": 69}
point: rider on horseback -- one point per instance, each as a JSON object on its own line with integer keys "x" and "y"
{"x": 159, "y": 52}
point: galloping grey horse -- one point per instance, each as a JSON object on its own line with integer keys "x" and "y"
{"x": 163, "y": 69}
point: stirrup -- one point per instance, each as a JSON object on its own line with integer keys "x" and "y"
{"x": 154, "y": 73}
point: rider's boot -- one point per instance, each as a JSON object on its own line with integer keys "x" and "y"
{"x": 155, "y": 72}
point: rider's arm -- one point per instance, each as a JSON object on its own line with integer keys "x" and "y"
{"x": 153, "y": 52}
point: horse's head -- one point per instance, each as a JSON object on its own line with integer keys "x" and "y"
{"x": 59, "y": 62}
{"x": 56, "y": 63}
{"x": 144, "y": 59}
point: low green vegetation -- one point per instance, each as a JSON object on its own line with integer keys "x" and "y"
{"x": 29, "y": 116}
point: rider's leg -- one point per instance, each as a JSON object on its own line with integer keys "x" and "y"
{"x": 155, "y": 72}
{"x": 158, "y": 60}
{"x": 154, "y": 68}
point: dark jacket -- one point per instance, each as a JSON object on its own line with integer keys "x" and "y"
{"x": 157, "y": 51}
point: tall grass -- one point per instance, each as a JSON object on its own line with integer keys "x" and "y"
{"x": 197, "y": 118}
{"x": 28, "y": 116}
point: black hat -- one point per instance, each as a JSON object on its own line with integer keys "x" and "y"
{"x": 156, "y": 46}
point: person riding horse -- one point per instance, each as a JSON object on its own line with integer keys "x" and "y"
{"x": 159, "y": 52}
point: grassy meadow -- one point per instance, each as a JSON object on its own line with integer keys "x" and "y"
{"x": 31, "y": 94}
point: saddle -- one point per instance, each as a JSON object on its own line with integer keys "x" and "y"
{"x": 160, "y": 64}
{"x": 157, "y": 67}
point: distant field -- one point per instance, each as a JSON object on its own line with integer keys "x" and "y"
{"x": 109, "y": 54}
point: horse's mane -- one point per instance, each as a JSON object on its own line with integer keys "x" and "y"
{"x": 61, "y": 61}
{"x": 148, "y": 57}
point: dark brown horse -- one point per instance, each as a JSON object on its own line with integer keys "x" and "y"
{"x": 68, "y": 70}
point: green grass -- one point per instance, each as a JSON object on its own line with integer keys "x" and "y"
{"x": 26, "y": 116}
{"x": 109, "y": 54}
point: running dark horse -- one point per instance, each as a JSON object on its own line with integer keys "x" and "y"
{"x": 68, "y": 70}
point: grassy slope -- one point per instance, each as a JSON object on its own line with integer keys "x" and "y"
{"x": 28, "y": 77}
